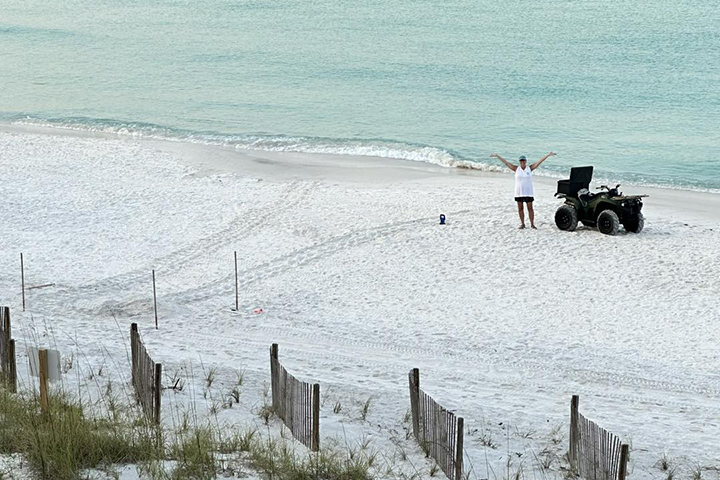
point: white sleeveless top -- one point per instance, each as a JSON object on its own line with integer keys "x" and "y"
{"x": 523, "y": 182}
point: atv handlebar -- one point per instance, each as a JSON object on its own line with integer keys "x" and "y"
{"x": 605, "y": 187}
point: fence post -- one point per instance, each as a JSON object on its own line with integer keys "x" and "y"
{"x": 12, "y": 384}
{"x": 237, "y": 306}
{"x": 155, "y": 300}
{"x": 133, "y": 352}
{"x": 22, "y": 279}
{"x": 158, "y": 391}
{"x": 624, "y": 453}
{"x": 6, "y": 322}
{"x": 574, "y": 406}
{"x": 274, "y": 375}
{"x": 43, "y": 373}
{"x": 8, "y": 361}
{"x": 315, "y": 444}
{"x": 460, "y": 447}
{"x": 415, "y": 400}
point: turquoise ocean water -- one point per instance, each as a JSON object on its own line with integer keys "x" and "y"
{"x": 632, "y": 87}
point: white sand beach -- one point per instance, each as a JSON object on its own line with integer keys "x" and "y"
{"x": 358, "y": 283}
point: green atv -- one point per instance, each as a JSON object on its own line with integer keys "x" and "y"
{"x": 606, "y": 210}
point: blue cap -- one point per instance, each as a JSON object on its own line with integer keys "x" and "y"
{"x": 522, "y": 157}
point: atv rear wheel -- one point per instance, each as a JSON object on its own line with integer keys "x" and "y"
{"x": 566, "y": 218}
{"x": 635, "y": 224}
{"x": 608, "y": 222}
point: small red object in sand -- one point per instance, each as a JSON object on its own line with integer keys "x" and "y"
{"x": 258, "y": 310}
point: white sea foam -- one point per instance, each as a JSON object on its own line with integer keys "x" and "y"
{"x": 369, "y": 148}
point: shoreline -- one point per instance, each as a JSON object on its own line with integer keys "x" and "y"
{"x": 679, "y": 204}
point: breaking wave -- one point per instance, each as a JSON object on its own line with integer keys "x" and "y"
{"x": 389, "y": 149}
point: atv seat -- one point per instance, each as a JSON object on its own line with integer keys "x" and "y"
{"x": 580, "y": 177}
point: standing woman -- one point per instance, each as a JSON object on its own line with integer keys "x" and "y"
{"x": 523, "y": 185}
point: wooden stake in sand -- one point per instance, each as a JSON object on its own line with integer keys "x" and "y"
{"x": 157, "y": 392}
{"x": 22, "y": 279}
{"x": 43, "y": 373}
{"x": 315, "y": 442}
{"x": 624, "y": 454}
{"x": 12, "y": 384}
{"x": 415, "y": 401}
{"x": 155, "y": 301}
{"x": 237, "y": 306}
{"x": 574, "y": 410}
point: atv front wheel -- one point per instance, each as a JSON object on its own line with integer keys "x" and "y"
{"x": 635, "y": 224}
{"x": 608, "y": 222}
{"x": 566, "y": 218}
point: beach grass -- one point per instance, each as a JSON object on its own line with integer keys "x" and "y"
{"x": 62, "y": 441}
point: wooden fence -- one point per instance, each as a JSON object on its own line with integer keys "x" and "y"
{"x": 595, "y": 453}
{"x": 296, "y": 403}
{"x": 146, "y": 376}
{"x": 7, "y": 351}
{"x": 438, "y": 431}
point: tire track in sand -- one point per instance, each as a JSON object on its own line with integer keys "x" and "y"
{"x": 335, "y": 359}
{"x": 477, "y": 357}
{"x": 284, "y": 263}
{"x": 238, "y": 228}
